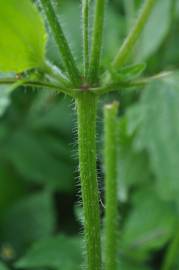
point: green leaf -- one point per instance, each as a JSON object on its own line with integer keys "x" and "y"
{"x": 5, "y": 92}
{"x": 60, "y": 252}
{"x": 112, "y": 33}
{"x": 42, "y": 118}
{"x": 36, "y": 159}
{"x": 39, "y": 148}
{"x": 11, "y": 187}
{"x": 133, "y": 166}
{"x": 147, "y": 228}
{"x": 128, "y": 72}
{"x": 32, "y": 219}
{"x": 132, "y": 71}
{"x": 130, "y": 266}
{"x": 4, "y": 98}
{"x": 23, "y": 36}
{"x": 155, "y": 30}
{"x": 156, "y": 122}
{"x": 3, "y": 267}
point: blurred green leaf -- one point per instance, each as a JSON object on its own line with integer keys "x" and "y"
{"x": 5, "y": 92}
{"x": 36, "y": 159}
{"x": 50, "y": 112}
{"x": 133, "y": 166}
{"x": 60, "y": 252}
{"x": 36, "y": 141}
{"x": 29, "y": 219}
{"x": 4, "y": 98}
{"x": 131, "y": 266}
{"x": 147, "y": 227}
{"x": 23, "y": 37}
{"x": 114, "y": 32}
{"x": 11, "y": 186}
{"x": 133, "y": 71}
{"x": 155, "y": 121}
{"x": 3, "y": 267}
{"x": 155, "y": 30}
{"x": 128, "y": 72}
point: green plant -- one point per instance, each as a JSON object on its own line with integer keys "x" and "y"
{"x": 24, "y": 55}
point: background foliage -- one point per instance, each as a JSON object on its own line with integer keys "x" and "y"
{"x": 40, "y": 219}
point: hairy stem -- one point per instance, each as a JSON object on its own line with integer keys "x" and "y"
{"x": 37, "y": 84}
{"x": 86, "y": 112}
{"x": 133, "y": 36}
{"x": 85, "y": 25}
{"x": 61, "y": 41}
{"x": 96, "y": 41}
{"x": 111, "y": 204}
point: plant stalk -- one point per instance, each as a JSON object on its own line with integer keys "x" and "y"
{"x": 61, "y": 41}
{"x": 111, "y": 203}
{"x": 96, "y": 41}
{"x": 133, "y": 36}
{"x": 86, "y": 103}
{"x": 85, "y": 25}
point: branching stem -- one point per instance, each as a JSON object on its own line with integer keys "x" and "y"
{"x": 37, "y": 84}
{"x": 61, "y": 41}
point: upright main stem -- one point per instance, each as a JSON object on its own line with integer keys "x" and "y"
{"x": 86, "y": 112}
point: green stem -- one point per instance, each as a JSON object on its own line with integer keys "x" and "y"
{"x": 96, "y": 41}
{"x": 111, "y": 203}
{"x": 133, "y": 36}
{"x": 172, "y": 253}
{"x": 118, "y": 86}
{"x": 38, "y": 84}
{"x": 85, "y": 25}
{"x": 61, "y": 41}
{"x": 86, "y": 112}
